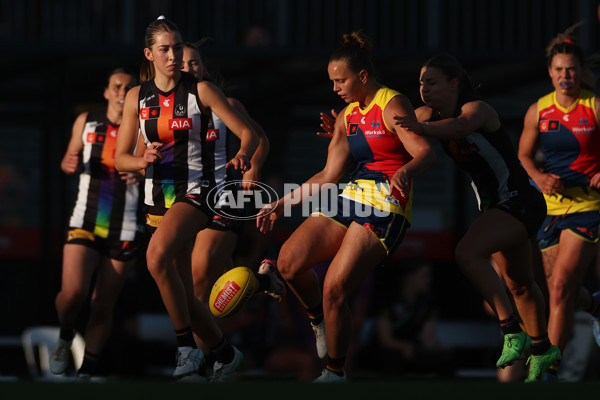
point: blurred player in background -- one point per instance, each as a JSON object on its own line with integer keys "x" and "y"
{"x": 105, "y": 228}
{"x": 214, "y": 245}
{"x": 565, "y": 124}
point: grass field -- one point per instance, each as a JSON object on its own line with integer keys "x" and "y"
{"x": 371, "y": 390}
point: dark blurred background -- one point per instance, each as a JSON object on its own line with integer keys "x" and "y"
{"x": 273, "y": 55}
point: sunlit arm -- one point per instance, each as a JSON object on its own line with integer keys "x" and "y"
{"x": 212, "y": 98}
{"x": 125, "y": 158}
{"x": 339, "y": 159}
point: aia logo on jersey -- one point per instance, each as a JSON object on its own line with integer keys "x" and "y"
{"x": 549, "y": 125}
{"x": 180, "y": 123}
{"x": 212, "y": 135}
{"x": 150, "y": 112}
{"x": 352, "y": 129}
{"x": 93, "y": 137}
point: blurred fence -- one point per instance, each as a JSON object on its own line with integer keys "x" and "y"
{"x": 482, "y": 27}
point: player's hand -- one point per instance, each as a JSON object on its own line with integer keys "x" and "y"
{"x": 268, "y": 215}
{"x": 70, "y": 162}
{"x": 411, "y": 124}
{"x": 240, "y": 162}
{"x": 250, "y": 178}
{"x": 327, "y": 123}
{"x": 401, "y": 182}
{"x": 595, "y": 181}
{"x": 550, "y": 184}
{"x": 131, "y": 178}
{"x": 152, "y": 153}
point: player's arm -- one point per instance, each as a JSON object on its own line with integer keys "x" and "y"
{"x": 211, "y": 97}
{"x": 548, "y": 183}
{"x": 417, "y": 146}
{"x": 72, "y": 158}
{"x": 260, "y": 155}
{"x": 339, "y": 159}
{"x": 595, "y": 181}
{"x": 132, "y": 178}
{"x": 475, "y": 115}
{"x": 126, "y": 158}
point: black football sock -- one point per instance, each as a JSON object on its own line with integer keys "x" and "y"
{"x": 510, "y": 325}
{"x": 336, "y": 365}
{"x": 539, "y": 345}
{"x": 66, "y": 333}
{"x": 315, "y": 314}
{"x": 185, "y": 338}
{"x": 90, "y": 362}
{"x": 223, "y": 352}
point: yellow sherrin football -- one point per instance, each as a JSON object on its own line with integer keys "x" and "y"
{"x": 231, "y": 291}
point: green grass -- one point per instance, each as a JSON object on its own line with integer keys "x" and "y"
{"x": 286, "y": 390}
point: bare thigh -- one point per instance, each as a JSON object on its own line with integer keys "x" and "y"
{"x": 360, "y": 252}
{"x": 316, "y": 240}
{"x": 112, "y": 275}
{"x": 211, "y": 257}
{"x": 176, "y": 230}
{"x": 79, "y": 264}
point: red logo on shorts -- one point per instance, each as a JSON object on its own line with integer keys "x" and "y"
{"x": 373, "y": 229}
{"x": 589, "y": 233}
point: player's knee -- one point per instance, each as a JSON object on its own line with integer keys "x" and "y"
{"x": 73, "y": 296}
{"x": 286, "y": 263}
{"x": 334, "y": 295}
{"x": 155, "y": 261}
{"x": 560, "y": 287}
{"x": 519, "y": 290}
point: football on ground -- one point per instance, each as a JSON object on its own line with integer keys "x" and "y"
{"x": 231, "y": 291}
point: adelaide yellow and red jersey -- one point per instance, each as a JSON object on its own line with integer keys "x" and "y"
{"x": 379, "y": 153}
{"x": 570, "y": 141}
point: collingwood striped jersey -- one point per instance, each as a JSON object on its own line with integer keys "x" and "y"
{"x": 175, "y": 119}
{"x": 491, "y": 162}
{"x": 105, "y": 205}
{"x": 217, "y": 133}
